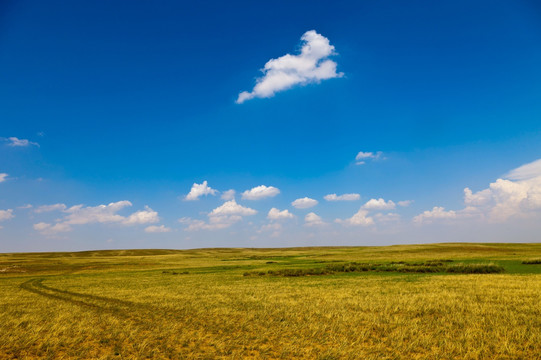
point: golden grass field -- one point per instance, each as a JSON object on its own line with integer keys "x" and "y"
{"x": 196, "y": 304}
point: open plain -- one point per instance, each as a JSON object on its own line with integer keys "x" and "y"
{"x": 394, "y": 302}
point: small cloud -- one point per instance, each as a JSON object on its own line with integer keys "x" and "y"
{"x": 49, "y": 229}
{"x": 405, "y": 203}
{"x": 3, "y": 177}
{"x": 312, "y": 219}
{"x": 360, "y": 218}
{"x": 343, "y": 197}
{"x": 6, "y": 214}
{"x": 24, "y": 207}
{"x": 16, "y": 142}
{"x": 157, "y": 229}
{"x": 199, "y": 190}
{"x": 48, "y": 208}
{"x": 232, "y": 208}
{"x": 362, "y": 156}
{"x": 275, "y": 214}
{"x": 147, "y": 216}
{"x": 228, "y": 195}
{"x": 310, "y": 66}
{"x": 437, "y": 213}
{"x": 260, "y": 192}
{"x": 379, "y": 204}
{"x": 304, "y": 203}
{"x": 222, "y": 217}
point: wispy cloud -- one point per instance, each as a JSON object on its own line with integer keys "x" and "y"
{"x": 3, "y": 177}
{"x": 310, "y": 66}
{"x": 228, "y": 195}
{"x": 157, "y": 229}
{"x": 199, "y": 190}
{"x": 48, "y": 208}
{"x": 6, "y": 214}
{"x": 81, "y": 215}
{"x": 363, "y": 156}
{"x": 16, "y": 142}
{"x": 260, "y": 192}
{"x": 343, "y": 197}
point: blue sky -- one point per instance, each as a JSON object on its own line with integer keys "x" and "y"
{"x": 111, "y": 111}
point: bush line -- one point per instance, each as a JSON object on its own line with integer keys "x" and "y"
{"x": 401, "y": 267}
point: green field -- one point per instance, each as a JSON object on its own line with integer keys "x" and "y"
{"x": 394, "y": 302}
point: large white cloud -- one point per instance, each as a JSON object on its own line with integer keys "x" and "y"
{"x": 199, "y": 190}
{"x": 3, "y": 177}
{"x": 81, "y": 215}
{"x": 260, "y": 192}
{"x": 343, "y": 197}
{"x": 304, "y": 203}
{"x": 275, "y": 214}
{"x": 517, "y": 195}
{"x": 310, "y": 66}
{"x": 379, "y": 204}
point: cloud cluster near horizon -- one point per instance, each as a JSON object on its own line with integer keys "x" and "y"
{"x": 310, "y": 66}
{"x": 81, "y": 215}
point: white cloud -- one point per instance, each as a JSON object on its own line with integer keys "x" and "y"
{"x": 379, "y": 204}
{"x": 304, "y": 203}
{"x": 360, "y": 218}
{"x": 80, "y": 215}
{"x": 310, "y": 66}
{"x": 199, "y": 190}
{"x": 275, "y": 214}
{"x": 437, "y": 213}
{"x": 232, "y": 208}
{"x": 6, "y": 214}
{"x": 3, "y": 177}
{"x": 405, "y": 203}
{"x": 16, "y": 142}
{"x": 47, "y": 208}
{"x": 222, "y": 217}
{"x": 516, "y": 196}
{"x": 228, "y": 195}
{"x": 27, "y": 206}
{"x": 157, "y": 229}
{"x": 147, "y": 216}
{"x": 312, "y": 219}
{"x": 343, "y": 197}
{"x": 387, "y": 218}
{"x": 260, "y": 192}
{"x": 49, "y": 229}
{"x": 362, "y": 156}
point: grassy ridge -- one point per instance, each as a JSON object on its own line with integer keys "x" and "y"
{"x": 196, "y": 304}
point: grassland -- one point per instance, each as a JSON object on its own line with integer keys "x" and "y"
{"x": 200, "y": 304}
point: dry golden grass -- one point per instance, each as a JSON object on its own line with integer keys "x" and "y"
{"x": 123, "y": 305}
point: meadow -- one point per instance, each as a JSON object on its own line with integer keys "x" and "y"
{"x": 436, "y": 301}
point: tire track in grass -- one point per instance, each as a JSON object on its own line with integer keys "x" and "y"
{"x": 142, "y": 314}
